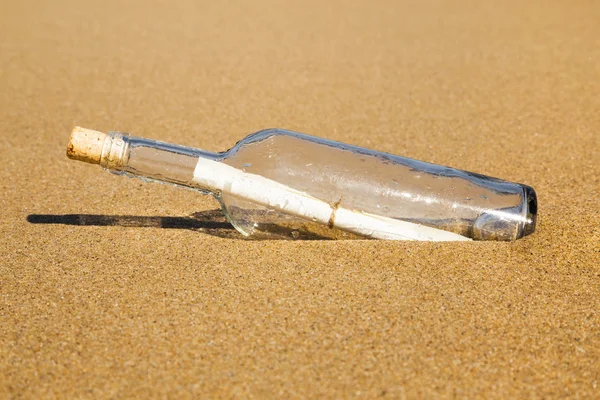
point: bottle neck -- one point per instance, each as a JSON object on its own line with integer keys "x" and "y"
{"x": 152, "y": 159}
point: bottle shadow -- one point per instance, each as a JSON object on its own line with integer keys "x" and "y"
{"x": 211, "y": 222}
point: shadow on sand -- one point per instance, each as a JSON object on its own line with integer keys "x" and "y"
{"x": 211, "y": 222}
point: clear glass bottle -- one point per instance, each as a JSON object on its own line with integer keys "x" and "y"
{"x": 363, "y": 181}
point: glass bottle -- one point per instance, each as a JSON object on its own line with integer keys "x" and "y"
{"x": 323, "y": 189}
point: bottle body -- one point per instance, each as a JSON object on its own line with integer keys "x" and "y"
{"x": 396, "y": 187}
{"x": 376, "y": 183}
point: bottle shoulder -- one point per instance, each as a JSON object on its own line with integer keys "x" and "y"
{"x": 257, "y": 137}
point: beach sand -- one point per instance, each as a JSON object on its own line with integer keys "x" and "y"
{"x": 111, "y": 287}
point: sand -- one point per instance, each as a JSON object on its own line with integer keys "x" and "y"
{"x": 113, "y": 288}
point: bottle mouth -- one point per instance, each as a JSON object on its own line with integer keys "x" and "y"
{"x": 530, "y": 211}
{"x": 115, "y": 151}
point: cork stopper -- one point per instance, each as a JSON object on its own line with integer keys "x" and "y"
{"x": 86, "y": 145}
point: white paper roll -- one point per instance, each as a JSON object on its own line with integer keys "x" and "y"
{"x": 271, "y": 194}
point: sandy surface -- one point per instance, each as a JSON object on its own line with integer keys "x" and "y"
{"x": 110, "y": 287}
